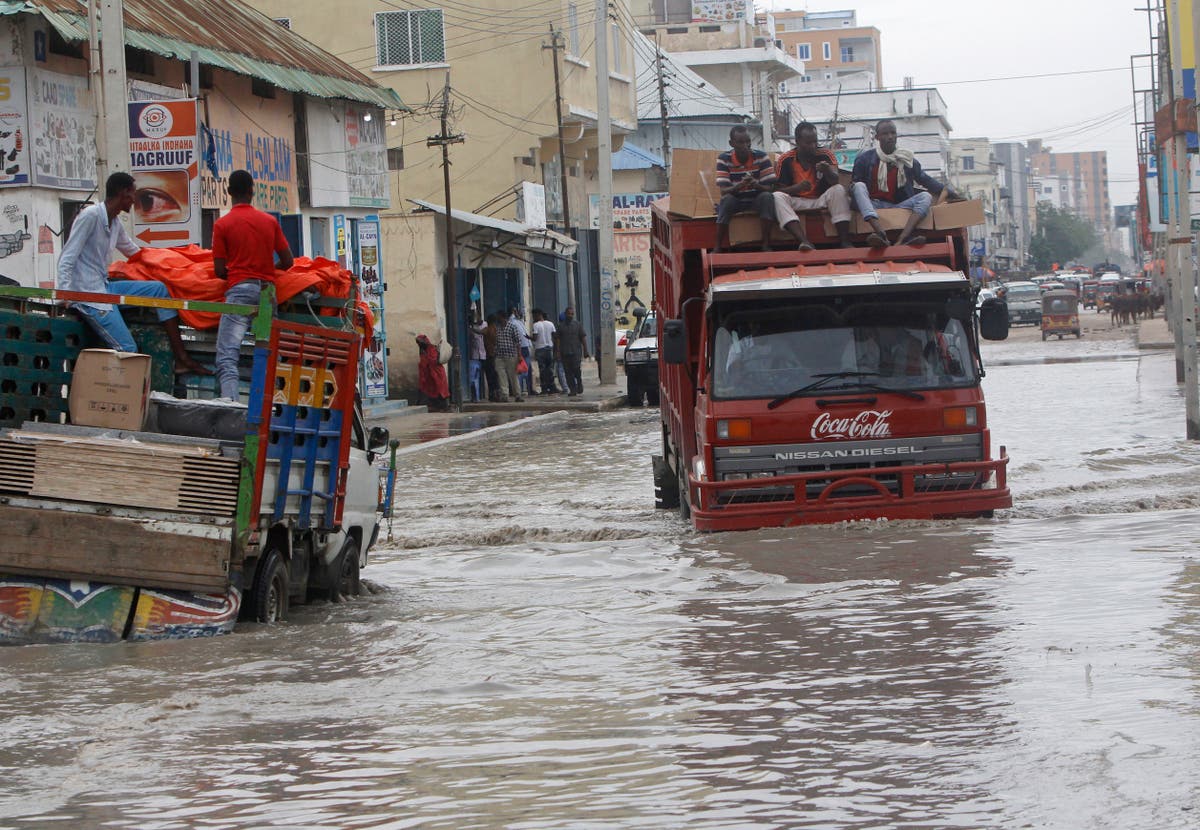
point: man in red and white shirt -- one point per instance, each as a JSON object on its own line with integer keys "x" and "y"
{"x": 245, "y": 243}
{"x": 746, "y": 179}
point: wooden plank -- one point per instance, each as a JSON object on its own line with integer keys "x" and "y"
{"x": 68, "y": 545}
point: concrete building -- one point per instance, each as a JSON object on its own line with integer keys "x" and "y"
{"x": 1014, "y": 159}
{"x": 835, "y": 50}
{"x": 271, "y": 103}
{"x": 506, "y": 174}
{"x": 1059, "y": 190}
{"x": 977, "y": 174}
{"x": 742, "y": 60}
{"x": 920, "y": 114}
{"x": 1087, "y": 175}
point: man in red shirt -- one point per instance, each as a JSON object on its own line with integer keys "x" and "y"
{"x": 245, "y": 242}
{"x": 808, "y": 180}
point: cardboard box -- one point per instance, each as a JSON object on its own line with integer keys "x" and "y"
{"x": 110, "y": 389}
{"x": 892, "y": 219}
{"x": 694, "y": 192}
{"x": 746, "y": 229}
{"x": 958, "y": 214}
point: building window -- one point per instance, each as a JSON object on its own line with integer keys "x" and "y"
{"x": 57, "y": 45}
{"x": 805, "y": 79}
{"x": 827, "y": 51}
{"x": 139, "y": 61}
{"x": 968, "y": 163}
{"x": 804, "y": 51}
{"x": 573, "y": 29}
{"x": 847, "y": 54}
{"x": 410, "y": 37}
{"x": 829, "y": 76}
{"x": 395, "y": 158}
{"x": 261, "y": 88}
{"x": 618, "y": 49}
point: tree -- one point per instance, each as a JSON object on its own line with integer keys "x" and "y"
{"x": 1061, "y": 236}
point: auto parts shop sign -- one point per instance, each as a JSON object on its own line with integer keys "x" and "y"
{"x": 164, "y": 155}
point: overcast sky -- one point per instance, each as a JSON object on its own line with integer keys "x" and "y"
{"x": 940, "y": 42}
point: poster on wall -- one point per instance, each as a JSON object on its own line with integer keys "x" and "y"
{"x": 260, "y": 146}
{"x": 347, "y": 154}
{"x": 14, "y": 127}
{"x": 164, "y": 153}
{"x": 64, "y": 123}
{"x": 370, "y": 288}
{"x": 339, "y": 238}
{"x": 630, "y": 211}
{"x": 722, "y": 10}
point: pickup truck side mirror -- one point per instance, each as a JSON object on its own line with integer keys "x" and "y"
{"x": 674, "y": 343}
{"x": 377, "y": 439}
{"x": 993, "y": 319}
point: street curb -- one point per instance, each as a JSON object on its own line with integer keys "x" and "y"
{"x": 532, "y": 422}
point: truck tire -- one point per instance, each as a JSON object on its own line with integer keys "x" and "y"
{"x": 269, "y": 596}
{"x": 666, "y": 487}
{"x": 344, "y": 573}
{"x": 685, "y": 506}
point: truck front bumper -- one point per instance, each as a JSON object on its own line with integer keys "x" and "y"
{"x": 931, "y": 491}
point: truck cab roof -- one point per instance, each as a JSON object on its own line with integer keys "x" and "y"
{"x": 834, "y": 279}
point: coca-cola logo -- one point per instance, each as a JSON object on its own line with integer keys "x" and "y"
{"x": 868, "y": 424}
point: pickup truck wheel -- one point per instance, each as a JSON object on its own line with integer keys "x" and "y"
{"x": 652, "y": 396}
{"x": 633, "y": 392}
{"x": 345, "y": 572}
{"x": 269, "y": 599}
{"x": 666, "y": 487}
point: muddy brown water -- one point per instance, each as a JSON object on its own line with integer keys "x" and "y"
{"x": 547, "y": 651}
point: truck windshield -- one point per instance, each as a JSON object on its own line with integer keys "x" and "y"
{"x": 760, "y": 353}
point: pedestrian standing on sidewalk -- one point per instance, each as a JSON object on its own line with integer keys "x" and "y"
{"x": 572, "y": 348}
{"x": 508, "y": 352}
{"x": 432, "y": 376}
{"x": 525, "y": 377}
{"x": 489, "y": 362}
{"x": 476, "y": 355}
{"x": 245, "y": 244}
{"x": 543, "y": 346}
{"x": 559, "y": 372}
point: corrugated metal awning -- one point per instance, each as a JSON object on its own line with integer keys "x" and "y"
{"x": 534, "y": 238}
{"x": 268, "y": 51}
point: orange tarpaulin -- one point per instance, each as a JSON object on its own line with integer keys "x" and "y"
{"x": 188, "y": 274}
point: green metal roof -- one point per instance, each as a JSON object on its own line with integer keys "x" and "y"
{"x": 267, "y": 50}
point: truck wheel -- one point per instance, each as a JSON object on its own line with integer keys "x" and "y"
{"x": 666, "y": 487}
{"x": 269, "y": 599}
{"x": 685, "y": 506}
{"x": 344, "y": 574}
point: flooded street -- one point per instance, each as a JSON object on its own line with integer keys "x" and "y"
{"x": 548, "y": 651}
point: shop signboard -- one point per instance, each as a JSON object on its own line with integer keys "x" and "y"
{"x": 164, "y": 158}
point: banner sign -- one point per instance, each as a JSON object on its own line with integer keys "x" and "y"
{"x": 64, "y": 121}
{"x": 630, "y": 211}
{"x": 164, "y": 158}
{"x": 14, "y": 127}
{"x": 370, "y": 287}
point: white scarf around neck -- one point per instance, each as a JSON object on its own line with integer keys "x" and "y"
{"x": 901, "y": 158}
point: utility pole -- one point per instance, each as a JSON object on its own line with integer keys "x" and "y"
{"x": 1180, "y": 247}
{"x": 556, "y": 44}
{"x": 106, "y": 23}
{"x": 608, "y": 290}
{"x": 444, "y": 140}
{"x": 662, "y": 106}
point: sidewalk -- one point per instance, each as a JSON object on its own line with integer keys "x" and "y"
{"x": 1154, "y": 334}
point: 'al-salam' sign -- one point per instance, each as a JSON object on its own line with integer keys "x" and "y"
{"x": 269, "y": 160}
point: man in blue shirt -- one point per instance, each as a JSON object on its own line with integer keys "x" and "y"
{"x": 83, "y": 266}
{"x": 884, "y": 177}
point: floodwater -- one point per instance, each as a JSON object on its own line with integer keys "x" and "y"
{"x": 548, "y": 651}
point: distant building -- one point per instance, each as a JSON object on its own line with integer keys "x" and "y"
{"x": 977, "y": 174}
{"x": 1085, "y": 173}
{"x": 835, "y": 50}
{"x": 1014, "y": 158}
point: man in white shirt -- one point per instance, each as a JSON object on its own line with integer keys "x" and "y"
{"x": 543, "y": 347}
{"x": 83, "y": 266}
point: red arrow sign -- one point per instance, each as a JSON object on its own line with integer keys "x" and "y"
{"x": 149, "y": 236}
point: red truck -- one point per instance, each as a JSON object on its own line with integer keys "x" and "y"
{"x": 833, "y": 385}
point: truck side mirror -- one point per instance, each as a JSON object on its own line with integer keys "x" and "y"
{"x": 993, "y": 319}
{"x": 674, "y": 343}
{"x": 377, "y": 439}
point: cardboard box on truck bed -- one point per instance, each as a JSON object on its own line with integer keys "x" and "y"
{"x": 694, "y": 191}
{"x": 110, "y": 389}
{"x": 948, "y": 215}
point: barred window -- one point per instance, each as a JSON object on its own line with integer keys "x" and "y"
{"x": 410, "y": 37}
{"x": 573, "y": 30}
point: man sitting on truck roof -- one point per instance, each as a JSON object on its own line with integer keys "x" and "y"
{"x": 83, "y": 266}
{"x": 747, "y": 179}
{"x": 808, "y": 180}
{"x": 884, "y": 177}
